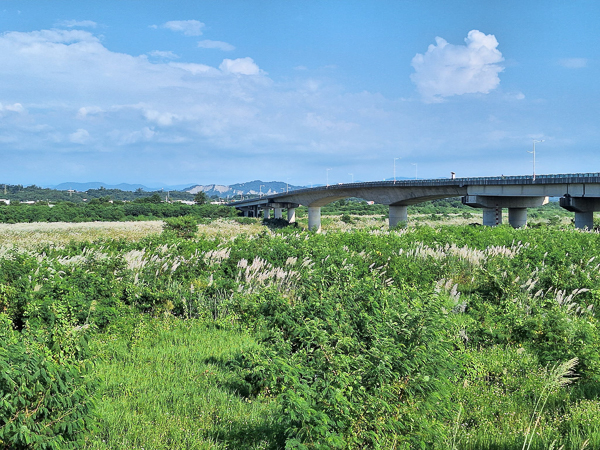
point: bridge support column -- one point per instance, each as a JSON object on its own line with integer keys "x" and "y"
{"x": 517, "y": 217}
{"x": 584, "y": 208}
{"x": 314, "y": 218}
{"x": 246, "y": 213}
{"x": 278, "y": 212}
{"x": 266, "y": 213}
{"x": 517, "y": 207}
{"x": 584, "y": 220}
{"x": 398, "y": 214}
{"x": 492, "y": 217}
{"x": 291, "y": 215}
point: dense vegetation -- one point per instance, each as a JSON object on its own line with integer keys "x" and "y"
{"x": 449, "y": 337}
{"x": 19, "y": 193}
{"x": 103, "y": 210}
{"x": 441, "y": 207}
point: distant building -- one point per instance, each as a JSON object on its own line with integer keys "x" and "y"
{"x": 186, "y": 202}
{"x": 7, "y": 202}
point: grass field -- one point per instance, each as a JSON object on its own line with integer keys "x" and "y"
{"x": 429, "y": 337}
{"x": 166, "y": 387}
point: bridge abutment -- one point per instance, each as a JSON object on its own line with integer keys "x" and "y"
{"x": 314, "y": 218}
{"x": 398, "y": 214}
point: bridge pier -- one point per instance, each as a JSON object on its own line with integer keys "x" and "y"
{"x": 517, "y": 217}
{"x": 492, "y": 217}
{"x": 314, "y": 218}
{"x": 291, "y": 215}
{"x": 583, "y": 207}
{"x": 584, "y": 220}
{"x": 517, "y": 207}
{"x": 278, "y": 213}
{"x": 398, "y": 214}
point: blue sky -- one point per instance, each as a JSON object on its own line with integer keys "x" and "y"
{"x": 229, "y": 91}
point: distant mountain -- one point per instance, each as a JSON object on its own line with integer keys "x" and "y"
{"x": 249, "y": 188}
{"x": 82, "y": 187}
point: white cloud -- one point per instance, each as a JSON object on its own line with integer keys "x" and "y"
{"x": 77, "y": 24}
{"x": 162, "y": 54}
{"x": 15, "y": 107}
{"x": 219, "y": 45}
{"x": 80, "y": 136}
{"x": 195, "y": 69}
{"x": 300, "y": 68}
{"x": 187, "y": 120}
{"x": 85, "y": 111}
{"x": 163, "y": 119}
{"x": 573, "y": 63}
{"x": 243, "y": 66}
{"x": 187, "y": 27}
{"x": 447, "y": 69}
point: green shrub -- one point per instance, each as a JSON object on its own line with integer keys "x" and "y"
{"x": 46, "y": 400}
{"x": 184, "y": 227}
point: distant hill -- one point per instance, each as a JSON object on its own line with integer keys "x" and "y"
{"x": 249, "y": 188}
{"x": 82, "y": 187}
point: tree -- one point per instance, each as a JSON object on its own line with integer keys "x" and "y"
{"x": 200, "y": 198}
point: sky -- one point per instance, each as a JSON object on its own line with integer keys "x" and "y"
{"x": 305, "y": 92}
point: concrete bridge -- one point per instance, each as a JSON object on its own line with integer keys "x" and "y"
{"x": 579, "y": 193}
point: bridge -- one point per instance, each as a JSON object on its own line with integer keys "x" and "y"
{"x": 579, "y": 193}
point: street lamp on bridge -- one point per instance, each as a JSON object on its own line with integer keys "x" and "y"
{"x": 416, "y": 167}
{"x": 327, "y": 175}
{"x": 534, "y": 142}
{"x": 395, "y": 169}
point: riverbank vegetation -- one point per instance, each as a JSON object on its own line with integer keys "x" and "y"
{"x": 240, "y": 336}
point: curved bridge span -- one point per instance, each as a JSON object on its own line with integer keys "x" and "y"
{"x": 579, "y": 193}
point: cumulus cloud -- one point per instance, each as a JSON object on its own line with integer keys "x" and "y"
{"x": 573, "y": 63}
{"x": 219, "y": 45}
{"x": 242, "y": 66}
{"x": 187, "y": 27}
{"x": 448, "y": 69}
{"x": 80, "y": 136}
{"x": 76, "y": 24}
{"x": 162, "y": 54}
